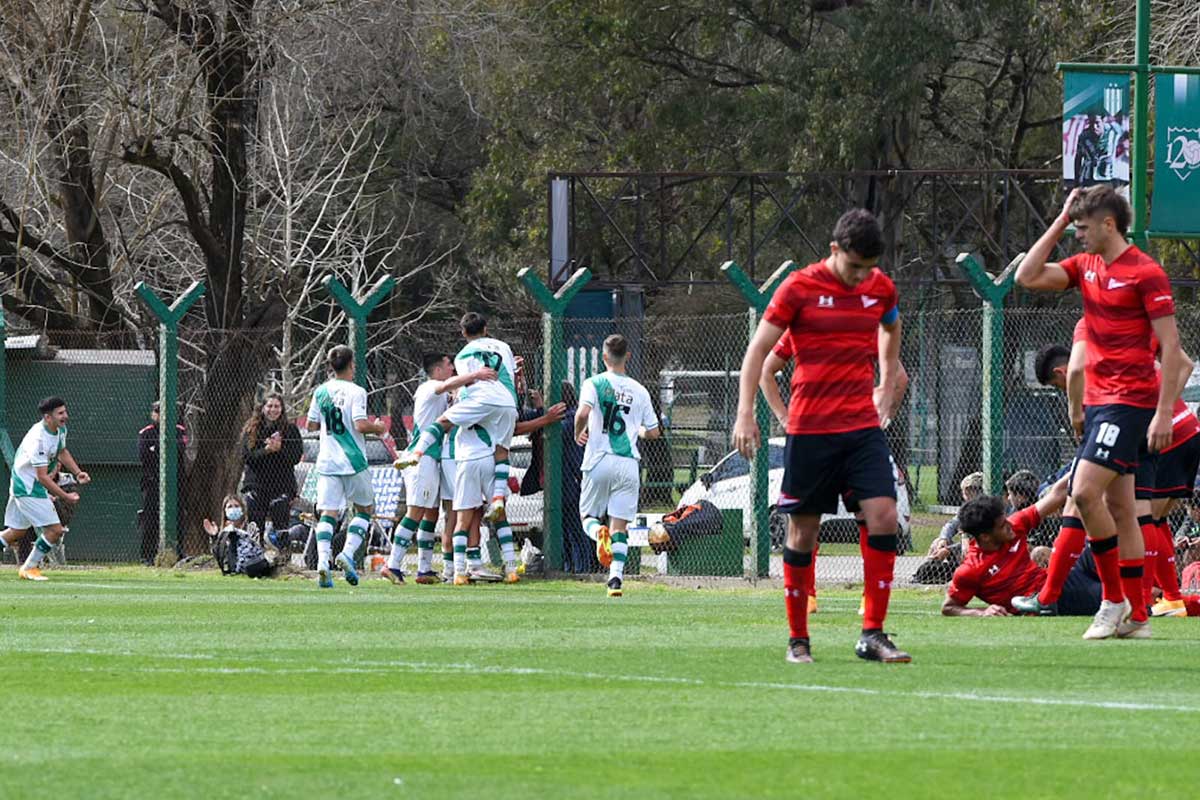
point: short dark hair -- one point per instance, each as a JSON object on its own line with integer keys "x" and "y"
{"x": 1024, "y": 483}
{"x": 1102, "y": 200}
{"x": 617, "y": 346}
{"x": 340, "y": 358}
{"x": 858, "y": 231}
{"x": 473, "y": 323}
{"x": 979, "y": 515}
{"x": 1047, "y": 360}
{"x": 431, "y": 360}
{"x": 50, "y": 404}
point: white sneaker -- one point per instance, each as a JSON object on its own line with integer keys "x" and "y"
{"x": 1105, "y": 623}
{"x": 1128, "y": 629}
{"x": 484, "y": 575}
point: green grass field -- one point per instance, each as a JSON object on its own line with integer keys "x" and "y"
{"x": 126, "y": 683}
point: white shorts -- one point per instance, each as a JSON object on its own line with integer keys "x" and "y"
{"x": 24, "y": 513}
{"x": 611, "y": 486}
{"x": 423, "y": 484}
{"x": 336, "y": 492}
{"x": 499, "y": 421}
{"x": 449, "y": 469}
{"x": 473, "y": 485}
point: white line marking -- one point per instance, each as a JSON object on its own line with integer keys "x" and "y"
{"x": 435, "y": 668}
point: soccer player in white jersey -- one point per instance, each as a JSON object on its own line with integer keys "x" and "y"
{"x": 339, "y": 411}
{"x": 614, "y": 411}
{"x": 423, "y": 480}
{"x": 29, "y": 506}
{"x": 488, "y": 406}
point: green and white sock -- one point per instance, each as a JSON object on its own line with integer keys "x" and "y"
{"x": 355, "y": 535}
{"x": 620, "y": 550}
{"x": 401, "y": 539}
{"x": 500, "y": 485}
{"x": 504, "y": 535}
{"x": 474, "y": 558}
{"x": 590, "y": 526}
{"x": 460, "y": 552}
{"x": 325, "y": 541}
{"x": 448, "y": 563}
{"x": 425, "y": 537}
{"x": 429, "y": 437}
{"x": 40, "y": 548}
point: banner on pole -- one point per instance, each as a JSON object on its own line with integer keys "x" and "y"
{"x": 1177, "y": 156}
{"x": 1096, "y": 139}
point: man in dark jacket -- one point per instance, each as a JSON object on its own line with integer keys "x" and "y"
{"x": 147, "y": 516}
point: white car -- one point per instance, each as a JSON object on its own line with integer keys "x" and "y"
{"x": 727, "y": 485}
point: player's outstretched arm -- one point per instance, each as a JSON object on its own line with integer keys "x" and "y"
{"x": 770, "y": 387}
{"x": 1035, "y": 272}
{"x": 69, "y": 462}
{"x": 553, "y": 414}
{"x": 745, "y": 429}
{"x": 1054, "y": 499}
{"x": 458, "y": 381}
{"x": 952, "y": 608}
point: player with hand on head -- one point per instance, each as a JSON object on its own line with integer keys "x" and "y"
{"x": 1127, "y": 408}
{"x": 29, "y": 506}
{"x": 614, "y": 412}
{"x": 339, "y": 411}
{"x": 842, "y": 315}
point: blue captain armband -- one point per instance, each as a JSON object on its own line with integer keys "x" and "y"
{"x": 890, "y": 317}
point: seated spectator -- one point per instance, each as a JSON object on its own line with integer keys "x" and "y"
{"x": 943, "y": 557}
{"x": 235, "y": 548}
{"x": 998, "y": 565}
{"x": 1021, "y": 490}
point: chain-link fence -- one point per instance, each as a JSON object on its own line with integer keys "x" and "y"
{"x": 689, "y": 364}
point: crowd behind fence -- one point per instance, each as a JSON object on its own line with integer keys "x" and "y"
{"x": 690, "y": 364}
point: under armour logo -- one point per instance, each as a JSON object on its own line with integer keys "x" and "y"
{"x": 992, "y": 570}
{"x": 1101, "y": 453}
{"x": 885, "y": 584}
{"x": 869, "y": 301}
{"x": 1113, "y": 283}
{"x": 791, "y": 592}
{"x": 825, "y": 301}
{"x": 1090, "y": 276}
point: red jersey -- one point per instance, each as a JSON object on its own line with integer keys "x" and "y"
{"x": 835, "y": 334}
{"x": 996, "y": 578}
{"x": 1184, "y": 424}
{"x": 1119, "y": 301}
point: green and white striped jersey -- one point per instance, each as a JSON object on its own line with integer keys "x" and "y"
{"x": 493, "y": 353}
{"x": 337, "y": 404}
{"x": 428, "y": 406}
{"x": 620, "y": 406}
{"x": 39, "y": 448}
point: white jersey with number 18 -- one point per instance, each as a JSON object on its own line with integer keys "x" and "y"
{"x": 337, "y": 405}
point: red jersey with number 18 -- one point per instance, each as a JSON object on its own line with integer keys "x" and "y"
{"x": 834, "y": 332}
{"x": 1119, "y": 300}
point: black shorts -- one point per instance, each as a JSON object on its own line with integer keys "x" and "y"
{"x": 818, "y": 467}
{"x": 1114, "y": 436}
{"x": 1081, "y": 592}
{"x": 1171, "y": 474}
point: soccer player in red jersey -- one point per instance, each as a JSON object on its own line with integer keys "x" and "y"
{"x": 998, "y": 566}
{"x": 1126, "y": 297}
{"x": 842, "y": 316}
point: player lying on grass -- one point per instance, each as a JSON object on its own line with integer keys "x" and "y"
{"x": 614, "y": 413}
{"x": 998, "y": 565}
{"x": 29, "y": 505}
{"x": 1128, "y": 409}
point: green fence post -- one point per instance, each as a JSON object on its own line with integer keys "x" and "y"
{"x": 554, "y": 355}
{"x": 358, "y": 313}
{"x": 6, "y": 446}
{"x": 168, "y": 395}
{"x": 758, "y": 299}
{"x": 993, "y": 293}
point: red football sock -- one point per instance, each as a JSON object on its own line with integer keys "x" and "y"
{"x": 1164, "y": 567}
{"x": 797, "y": 582}
{"x": 1131, "y": 570}
{"x": 879, "y": 563}
{"x": 812, "y": 589}
{"x": 1192, "y": 603}
{"x": 1067, "y": 548}
{"x": 1109, "y": 568}
{"x": 1150, "y": 537}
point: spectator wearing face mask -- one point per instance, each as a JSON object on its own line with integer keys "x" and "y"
{"x": 236, "y": 549}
